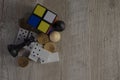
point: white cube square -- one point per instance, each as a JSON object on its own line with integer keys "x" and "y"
{"x": 49, "y": 16}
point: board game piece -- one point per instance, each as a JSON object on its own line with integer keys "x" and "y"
{"x": 55, "y": 36}
{"x": 24, "y": 34}
{"x": 23, "y": 61}
{"x": 59, "y": 25}
{"x": 50, "y": 46}
{"x": 21, "y": 36}
{"x": 42, "y": 19}
{"x": 34, "y": 54}
{"x": 54, "y": 57}
{"x": 43, "y": 38}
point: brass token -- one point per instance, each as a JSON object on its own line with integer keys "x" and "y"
{"x": 55, "y": 36}
{"x": 23, "y": 23}
{"x": 43, "y": 38}
{"x": 23, "y": 61}
{"x": 50, "y": 46}
{"x": 24, "y": 52}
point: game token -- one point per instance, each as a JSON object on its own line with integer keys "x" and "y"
{"x": 55, "y": 36}
{"x": 59, "y": 25}
{"x": 23, "y": 61}
{"x": 43, "y": 38}
{"x": 50, "y": 46}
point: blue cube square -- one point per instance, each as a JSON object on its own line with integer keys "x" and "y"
{"x": 34, "y": 21}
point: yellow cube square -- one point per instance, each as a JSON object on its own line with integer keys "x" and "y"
{"x": 43, "y": 26}
{"x": 39, "y": 10}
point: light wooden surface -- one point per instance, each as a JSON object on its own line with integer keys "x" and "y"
{"x": 90, "y": 45}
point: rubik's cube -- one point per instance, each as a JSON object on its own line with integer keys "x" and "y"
{"x": 41, "y": 19}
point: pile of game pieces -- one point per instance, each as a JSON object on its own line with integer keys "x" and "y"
{"x": 37, "y": 37}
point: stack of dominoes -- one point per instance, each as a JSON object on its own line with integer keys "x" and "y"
{"x": 37, "y": 37}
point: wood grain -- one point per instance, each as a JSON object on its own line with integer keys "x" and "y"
{"x": 89, "y": 49}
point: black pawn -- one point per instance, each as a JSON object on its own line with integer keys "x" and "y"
{"x": 59, "y": 26}
{"x": 14, "y": 49}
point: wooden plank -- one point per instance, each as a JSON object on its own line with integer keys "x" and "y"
{"x": 1, "y": 8}
{"x": 75, "y": 43}
{"x": 104, "y": 39}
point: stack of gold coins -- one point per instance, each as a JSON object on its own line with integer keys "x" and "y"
{"x": 50, "y": 46}
{"x": 43, "y": 38}
{"x": 23, "y": 61}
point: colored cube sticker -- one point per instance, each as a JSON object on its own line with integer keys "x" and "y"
{"x": 43, "y": 26}
{"x": 49, "y": 16}
{"x": 34, "y": 21}
{"x": 39, "y": 11}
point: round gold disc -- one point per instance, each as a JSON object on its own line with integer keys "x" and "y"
{"x": 50, "y": 46}
{"x": 23, "y": 61}
{"x": 43, "y": 38}
{"x": 55, "y": 36}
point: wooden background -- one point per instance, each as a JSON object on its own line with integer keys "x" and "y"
{"x": 90, "y": 45}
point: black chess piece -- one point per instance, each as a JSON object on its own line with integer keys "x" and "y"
{"x": 14, "y": 49}
{"x": 59, "y": 26}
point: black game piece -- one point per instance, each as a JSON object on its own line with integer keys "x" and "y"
{"x": 14, "y": 49}
{"x": 59, "y": 26}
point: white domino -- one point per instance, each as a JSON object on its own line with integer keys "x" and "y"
{"x": 44, "y": 54}
{"x": 36, "y": 52}
{"x": 33, "y": 57}
{"x": 30, "y": 47}
{"x": 22, "y": 34}
{"x": 53, "y": 57}
{"x": 32, "y": 34}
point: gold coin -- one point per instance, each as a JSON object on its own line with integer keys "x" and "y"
{"x": 22, "y": 22}
{"x": 43, "y": 38}
{"x": 24, "y": 52}
{"x": 50, "y": 46}
{"x": 23, "y": 61}
{"x": 55, "y": 36}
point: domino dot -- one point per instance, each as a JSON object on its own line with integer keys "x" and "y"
{"x": 39, "y": 49}
{"x": 25, "y": 31}
{"x": 36, "y": 44}
{"x": 35, "y": 47}
{"x": 33, "y": 52}
{"x": 42, "y": 60}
